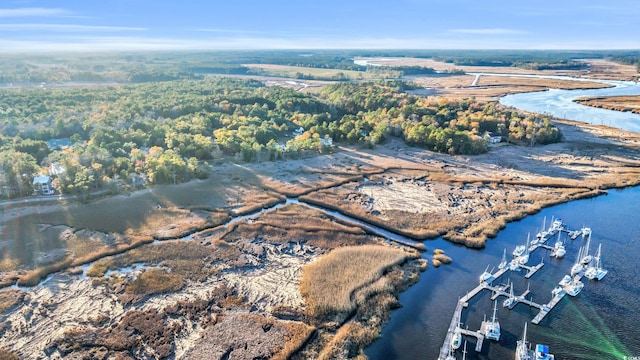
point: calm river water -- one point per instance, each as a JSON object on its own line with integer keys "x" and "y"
{"x": 602, "y": 322}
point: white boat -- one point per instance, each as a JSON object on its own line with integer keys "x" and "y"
{"x": 456, "y": 340}
{"x": 559, "y": 251}
{"x": 492, "y": 328}
{"x": 542, "y": 353}
{"x": 523, "y": 349}
{"x": 542, "y": 234}
{"x": 586, "y": 231}
{"x": 558, "y": 225}
{"x": 596, "y": 272}
{"x": 511, "y": 300}
{"x": 503, "y": 263}
{"x": 514, "y": 265}
{"x": 486, "y": 276}
{"x": 519, "y": 250}
{"x": 578, "y": 267}
{"x": 566, "y": 280}
{"x": 574, "y": 287}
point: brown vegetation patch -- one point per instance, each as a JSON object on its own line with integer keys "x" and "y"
{"x": 154, "y": 281}
{"x": 242, "y": 335}
{"x": 329, "y": 283}
{"x": 8, "y": 355}
{"x": 9, "y": 298}
{"x": 185, "y": 258}
{"x": 618, "y": 103}
{"x": 299, "y": 223}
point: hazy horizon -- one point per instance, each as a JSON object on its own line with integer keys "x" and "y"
{"x": 37, "y": 25}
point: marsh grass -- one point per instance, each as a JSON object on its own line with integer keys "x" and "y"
{"x": 188, "y": 259}
{"x": 154, "y": 281}
{"x": 328, "y": 284}
{"x": 8, "y": 355}
{"x": 442, "y": 258}
{"x": 9, "y": 298}
{"x": 33, "y": 277}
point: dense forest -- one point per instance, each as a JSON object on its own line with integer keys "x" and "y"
{"x": 172, "y": 131}
{"x": 166, "y": 66}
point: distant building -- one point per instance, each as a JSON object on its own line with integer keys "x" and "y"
{"x": 327, "y": 141}
{"x": 492, "y": 138}
{"x": 59, "y": 144}
{"x": 42, "y": 185}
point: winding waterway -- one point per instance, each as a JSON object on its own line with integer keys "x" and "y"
{"x": 559, "y": 103}
{"x": 600, "y": 323}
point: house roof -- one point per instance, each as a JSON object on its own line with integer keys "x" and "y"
{"x": 42, "y": 179}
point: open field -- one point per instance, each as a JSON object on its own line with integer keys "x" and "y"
{"x": 619, "y": 103}
{"x": 493, "y": 87}
{"x": 604, "y": 69}
{"x": 294, "y": 72}
{"x": 599, "y": 69}
{"x": 442, "y": 66}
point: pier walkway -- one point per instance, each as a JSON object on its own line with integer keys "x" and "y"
{"x": 497, "y": 291}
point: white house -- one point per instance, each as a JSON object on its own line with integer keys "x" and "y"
{"x": 492, "y": 138}
{"x": 42, "y": 185}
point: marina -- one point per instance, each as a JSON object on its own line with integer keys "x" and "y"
{"x": 570, "y": 285}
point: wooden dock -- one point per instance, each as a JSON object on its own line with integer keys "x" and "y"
{"x": 463, "y": 302}
{"x": 497, "y": 291}
{"x": 477, "y": 334}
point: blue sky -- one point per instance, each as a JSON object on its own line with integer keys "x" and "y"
{"x": 27, "y": 25}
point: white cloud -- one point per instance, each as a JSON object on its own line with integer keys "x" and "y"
{"x": 494, "y": 31}
{"x": 66, "y": 28}
{"x": 32, "y": 12}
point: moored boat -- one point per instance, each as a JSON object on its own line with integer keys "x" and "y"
{"x": 596, "y": 272}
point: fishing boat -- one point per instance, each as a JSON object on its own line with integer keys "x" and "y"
{"x": 574, "y": 287}
{"x": 542, "y": 353}
{"x": 596, "y": 272}
{"x": 524, "y": 352}
{"x": 492, "y": 328}
{"x": 520, "y": 249}
{"x": 566, "y": 280}
{"x": 523, "y": 349}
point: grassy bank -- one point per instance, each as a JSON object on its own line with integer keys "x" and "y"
{"x": 328, "y": 284}
{"x": 629, "y": 103}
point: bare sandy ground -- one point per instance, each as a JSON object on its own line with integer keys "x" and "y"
{"x": 66, "y": 302}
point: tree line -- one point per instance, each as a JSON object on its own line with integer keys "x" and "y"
{"x": 172, "y": 131}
